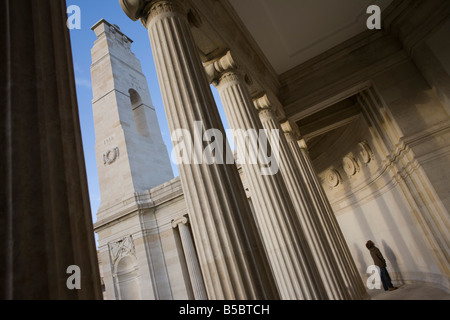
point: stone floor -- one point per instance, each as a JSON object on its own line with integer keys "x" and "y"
{"x": 411, "y": 291}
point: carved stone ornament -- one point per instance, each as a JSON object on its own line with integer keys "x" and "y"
{"x": 262, "y": 103}
{"x": 222, "y": 69}
{"x": 121, "y": 248}
{"x": 110, "y": 156}
{"x": 333, "y": 178}
{"x": 365, "y": 152}
{"x": 350, "y": 165}
{"x": 177, "y": 222}
{"x": 145, "y": 10}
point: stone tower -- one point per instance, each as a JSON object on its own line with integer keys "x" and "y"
{"x": 131, "y": 154}
{"x": 132, "y": 163}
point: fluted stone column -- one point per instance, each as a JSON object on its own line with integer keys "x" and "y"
{"x": 307, "y": 212}
{"x": 45, "y": 215}
{"x": 195, "y": 273}
{"x": 336, "y": 240}
{"x": 229, "y": 249}
{"x": 282, "y": 232}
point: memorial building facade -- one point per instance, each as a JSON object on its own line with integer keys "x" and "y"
{"x": 363, "y": 149}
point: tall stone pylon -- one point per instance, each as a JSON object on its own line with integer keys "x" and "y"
{"x": 131, "y": 154}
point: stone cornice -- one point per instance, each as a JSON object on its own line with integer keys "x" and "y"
{"x": 413, "y": 21}
{"x": 303, "y": 93}
{"x": 362, "y": 57}
{"x": 140, "y": 201}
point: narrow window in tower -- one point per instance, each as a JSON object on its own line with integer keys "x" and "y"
{"x": 139, "y": 112}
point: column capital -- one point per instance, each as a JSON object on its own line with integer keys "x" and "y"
{"x": 265, "y": 108}
{"x": 302, "y": 144}
{"x": 225, "y": 63}
{"x": 222, "y": 68}
{"x": 262, "y": 103}
{"x": 182, "y": 220}
{"x": 289, "y": 130}
{"x": 145, "y": 10}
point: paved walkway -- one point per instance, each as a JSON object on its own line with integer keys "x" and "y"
{"x": 411, "y": 291}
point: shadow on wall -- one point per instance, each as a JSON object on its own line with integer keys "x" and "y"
{"x": 361, "y": 262}
{"x": 392, "y": 262}
{"x": 386, "y": 219}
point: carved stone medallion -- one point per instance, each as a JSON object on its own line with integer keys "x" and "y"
{"x": 350, "y": 165}
{"x": 365, "y": 152}
{"x": 333, "y": 178}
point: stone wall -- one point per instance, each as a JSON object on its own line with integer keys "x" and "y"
{"x": 400, "y": 198}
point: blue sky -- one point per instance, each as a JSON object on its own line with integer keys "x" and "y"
{"x": 82, "y": 42}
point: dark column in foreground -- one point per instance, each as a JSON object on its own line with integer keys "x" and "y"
{"x": 45, "y": 216}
